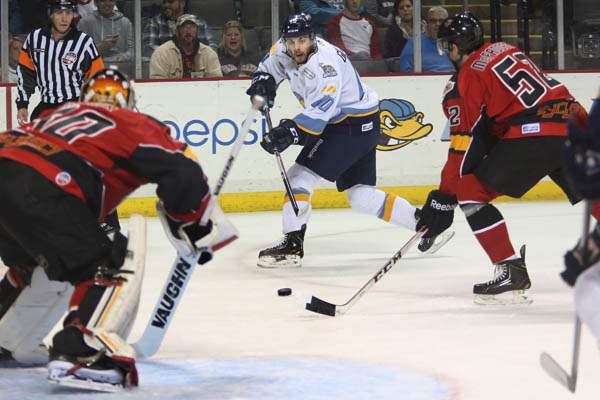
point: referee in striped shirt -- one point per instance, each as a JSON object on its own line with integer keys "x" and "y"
{"x": 58, "y": 59}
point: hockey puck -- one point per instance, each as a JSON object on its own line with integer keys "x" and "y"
{"x": 284, "y": 291}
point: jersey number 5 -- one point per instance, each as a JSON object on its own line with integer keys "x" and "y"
{"x": 526, "y": 81}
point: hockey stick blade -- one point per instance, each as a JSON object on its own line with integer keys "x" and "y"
{"x": 323, "y": 307}
{"x": 556, "y": 372}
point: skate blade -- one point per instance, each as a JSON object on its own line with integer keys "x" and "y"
{"x": 76, "y": 383}
{"x": 272, "y": 262}
{"x": 440, "y": 241}
{"x": 513, "y": 297}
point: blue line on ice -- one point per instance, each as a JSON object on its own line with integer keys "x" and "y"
{"x": 251, "y": 378}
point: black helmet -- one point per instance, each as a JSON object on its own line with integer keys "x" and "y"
{"x": 297, "y": 25}
{"x": 464, "y": 30}
{"x": 54, "y": 5}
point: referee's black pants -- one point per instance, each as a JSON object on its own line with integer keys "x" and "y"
{"x": 43, "y": 107}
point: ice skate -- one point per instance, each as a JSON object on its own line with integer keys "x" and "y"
{"x": 90, "y": 373}
{"x": 433, "y": 244}
{"x": 288, "y": 252}
{"x": 509, "y": 286}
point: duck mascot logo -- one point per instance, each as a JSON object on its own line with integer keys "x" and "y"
{"x": 400, "y": 124}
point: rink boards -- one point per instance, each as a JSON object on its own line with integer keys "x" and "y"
{"x": 206, "y": 114}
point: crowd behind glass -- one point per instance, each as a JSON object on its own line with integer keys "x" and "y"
{"x": 229, "y": 37}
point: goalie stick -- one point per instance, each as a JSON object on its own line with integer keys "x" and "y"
{"x": 323, "y": 307}
{"x": 184, "y": 265}
{"x": 548, "y": 363}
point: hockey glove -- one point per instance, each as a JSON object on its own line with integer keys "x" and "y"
{"x": 574, "y": 259}
{"x": 263, "y": 84}
{"x": 282, "y": 136}
{"x": 437, "y": 213}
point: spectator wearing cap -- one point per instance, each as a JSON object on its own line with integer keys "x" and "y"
{"x": 111, "y": 30}
{"x": 354, "y": 33}
{"x": 432, "y": 59}
{"x": 161, "y": 28}
{"x": 184, "y": 56}
{"x": 234, "y": 57}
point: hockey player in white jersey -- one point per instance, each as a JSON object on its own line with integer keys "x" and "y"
{"x": 338, "y": 129}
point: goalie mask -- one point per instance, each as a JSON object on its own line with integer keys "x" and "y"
{"x": 109, "y": 86}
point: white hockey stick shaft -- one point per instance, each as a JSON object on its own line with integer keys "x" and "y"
{"x": 257, "y": 103}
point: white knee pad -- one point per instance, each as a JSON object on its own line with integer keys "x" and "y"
{"x": 113, "y": 318}
{"x": 388, "y": 207}
{"x": 32, "y": 316}
{"x": 587, "y": 299}
{"x": 303, "y": 182}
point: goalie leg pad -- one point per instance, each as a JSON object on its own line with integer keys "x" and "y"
{"x": 33, "y": 314}
{"x": 103, "y": 310}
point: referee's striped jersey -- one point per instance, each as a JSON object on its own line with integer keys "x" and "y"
{"x": 58, "y": 68}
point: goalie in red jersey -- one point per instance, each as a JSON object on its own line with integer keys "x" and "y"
{"x": 508, "y": 124}
{"x": 63, "y": 173}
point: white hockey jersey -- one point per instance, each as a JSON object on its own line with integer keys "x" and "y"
{"x": 327, "y": 85}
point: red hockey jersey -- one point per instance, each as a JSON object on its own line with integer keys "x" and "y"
{"x": 499, "y": 93}
{"x": 101, "y": 154}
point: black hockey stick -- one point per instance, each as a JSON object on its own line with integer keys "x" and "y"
{"x": 286, "y": 181}
{"x": 548, "y": 363}
{"x": 323, "y": 307}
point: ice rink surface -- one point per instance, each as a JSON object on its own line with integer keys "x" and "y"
{"x": 416, "y": 335}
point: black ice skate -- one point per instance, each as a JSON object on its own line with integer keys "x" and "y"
{"x": 509, "y": 286}
{"x": 288, "y": 252}
{"x": 433, "y": 244}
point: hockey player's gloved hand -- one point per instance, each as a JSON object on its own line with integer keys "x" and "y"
{"x": 437, "y": 213}
{"x": 282, "y": 136}
{"x": 191, "y": 233}
{"x": 263, "y": 84}
{"x": 574, "y": 262}
{"x": 581, "y": 156}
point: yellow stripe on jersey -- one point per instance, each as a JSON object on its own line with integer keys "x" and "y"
{"x": 460, "y": 142}
{"x": 355, "y": 115}
{"x": 308, "y": 130}
{"x": 329, "y": 89}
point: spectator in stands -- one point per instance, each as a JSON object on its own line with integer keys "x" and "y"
{"x": 29, "y": 15}
{"x": 184, "y": 56}
{"x": 353, "y": 33}
{"x": 321, "y": 11}
{"x": 400, "y": 30}
{"x": 14, "y": 48}
{"x": 161, "y": 27}
{"x": 234, "y": 57}
{"x": 432, "y": 59}
{"x": 381, "y": 11}
{"x": 111, "y": 30}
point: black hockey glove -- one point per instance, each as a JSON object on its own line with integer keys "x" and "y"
{"x": 581, "y": 156}
{"x": 282, "y": 136}
{"x": 574, "y": 262}
{"x": 263, "y": 84}
{"x": 437, "y": 213}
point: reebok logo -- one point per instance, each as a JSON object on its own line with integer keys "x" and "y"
{"x": 442, "y": 207}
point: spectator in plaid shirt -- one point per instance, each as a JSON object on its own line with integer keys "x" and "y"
{"x": 161, "y": 28}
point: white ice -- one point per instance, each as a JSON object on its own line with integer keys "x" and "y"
{"x": 415, "y": 335}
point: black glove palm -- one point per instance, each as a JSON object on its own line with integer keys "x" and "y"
{"x": 574, "y": 259}
{"x": 263, "y": 84}
{"x": 437, "y": 213}
{"x": 282, "y": 136}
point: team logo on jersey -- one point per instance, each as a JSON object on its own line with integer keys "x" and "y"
{"x": 63, "y": 178}
{"x": 69, "y": 58}
{"x": 328, "y": 70}
{"x": 401, "y": 124}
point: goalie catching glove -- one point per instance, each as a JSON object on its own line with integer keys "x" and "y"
{"x": 193, "y": 237}
{"x": 263, "y": 84}
{"x": 437, "y": 213}
{"x": 283, "y": 136}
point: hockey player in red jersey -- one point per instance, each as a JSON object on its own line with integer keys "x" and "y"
{"x": 508, "y": 126}
{"x": 63, "y": 174}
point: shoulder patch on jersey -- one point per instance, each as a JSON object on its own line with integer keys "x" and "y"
{"x": 273, "y": 48}
{"x": 328, "y": 70}
{"x": 308, "y": 74}
{"x": 329, "y": 89}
